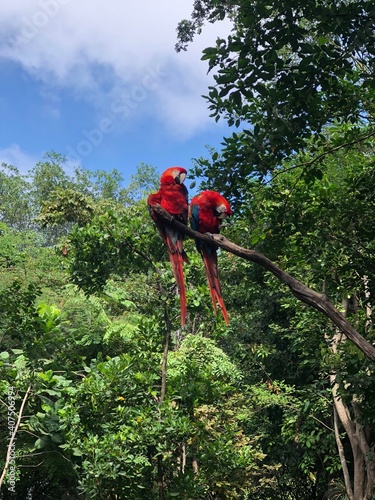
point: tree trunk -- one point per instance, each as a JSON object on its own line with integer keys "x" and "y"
{"x": 363, "y": 459}
{"x": 344, "y": 464}
{"x": 162, "y": 396}
{"x": 160, "y": 478}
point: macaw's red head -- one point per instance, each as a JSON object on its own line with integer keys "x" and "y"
{"x": 173, "y": 175}
{"x": 222, "y": 208}
{"x": 216, "y": 202}
{"x": 207, "y": 211}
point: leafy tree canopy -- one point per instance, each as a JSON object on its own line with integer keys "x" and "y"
{"x": 286, "y": 71}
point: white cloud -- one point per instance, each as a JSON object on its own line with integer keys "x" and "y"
{"x": 25, "y": 162}
{"x": 96, "y": 49}
{"x": 13, "y": 155}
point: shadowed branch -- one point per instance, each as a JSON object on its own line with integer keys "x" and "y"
{"x": 299, "y": 290}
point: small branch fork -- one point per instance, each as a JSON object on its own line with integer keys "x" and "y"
{"x": 325, "y": 153}
{"x": 302, "y": 292}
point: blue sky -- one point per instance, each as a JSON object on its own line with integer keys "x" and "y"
{"x": 100, "y": 82}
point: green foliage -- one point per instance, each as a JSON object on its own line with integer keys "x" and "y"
{"x": 142, "y": 183}
{"x": 199, "y": 369}
{"x": 117, "y": 427}
{"x": 330, "y": 237}
{"x": 66, "y": 205}
{"x": 25, "y": 325}
{"x": 247, "y": 411}
{"x": 285, "y": 72}
{"x": 320, "y": 230}
{"x": 15, "y": 204}
{"x": 111, "y": 243}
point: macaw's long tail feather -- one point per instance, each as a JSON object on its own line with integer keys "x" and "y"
{"x": 177, "y": 257}
{"x": 174, "y": 240}
{"x": 209, "y": 256}
{"x": 177, "y": 267}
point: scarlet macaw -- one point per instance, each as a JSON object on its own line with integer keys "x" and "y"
{"x": 207, "y": 211}
{"x": 173, "y": 197}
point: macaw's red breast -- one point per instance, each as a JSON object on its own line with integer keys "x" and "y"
{"x": 174, "y": 199}
{"x": 173, "y": 193}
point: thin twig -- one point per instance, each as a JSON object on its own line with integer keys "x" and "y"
{"x": 322, "y": 155}
{"x": 321, "y": 422}
{"x": 139, "y": 252}
{"x": 13, "y": 437}
{"x": 336, "y": 148}
{"x": 165, "y": 356}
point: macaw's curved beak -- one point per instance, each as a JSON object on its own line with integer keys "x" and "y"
{"x": 180, "y": 178}
{"x": 221, "y": 212}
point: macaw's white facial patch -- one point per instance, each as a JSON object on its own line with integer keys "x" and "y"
{"x": 221, "y": 212}
{"x": 182, "y": 177}
{"x": 178, "y": 176}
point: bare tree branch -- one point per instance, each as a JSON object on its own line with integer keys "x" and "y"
{"x": 302, "y": 292}
{"x": 340, "y": 448}
{"x": 165, "y": 356}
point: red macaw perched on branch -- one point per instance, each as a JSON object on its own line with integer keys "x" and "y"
{"x": 207, "y": 211}
{"x": 173, "y": 197}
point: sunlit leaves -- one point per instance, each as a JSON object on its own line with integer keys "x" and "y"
{"x": 287, "y": 71}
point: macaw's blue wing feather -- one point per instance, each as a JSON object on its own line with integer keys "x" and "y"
{"x": 194, "y": 222}
{"x": 194, "y": 217}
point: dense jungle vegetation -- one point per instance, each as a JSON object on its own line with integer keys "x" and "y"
{"x": 280, "y": 404}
